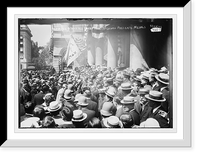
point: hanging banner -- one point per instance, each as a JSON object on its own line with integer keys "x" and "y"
{"x": 136, "y": 58}
{"x": 72, "y": 53}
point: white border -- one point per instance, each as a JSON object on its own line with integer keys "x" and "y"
{"x": 102, "y": 139}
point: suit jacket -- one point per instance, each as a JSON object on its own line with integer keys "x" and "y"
{"x": 165, "y": 104}
{"x": 145, "y": 113}
{"x": 90, "y": 114}
{"x": 134, "y": 114}
{"x": 93, "y": 106}
{"x": 38, "y": 98}
{"x": 70, "y": 104}
{"x": 137, "y": 105}
{"x": 161, "y": 116}
{"x": 101, "y": 101}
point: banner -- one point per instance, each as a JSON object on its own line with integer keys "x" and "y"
{"x": 136, "y": 58}
{"x": 80, "y": 42}
{"x": 72, "y": 53}
{"x": 112, "y": 60}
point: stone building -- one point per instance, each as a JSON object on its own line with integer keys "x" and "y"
{"x": 131, "y": 43}
{"x": 25, "y": 47}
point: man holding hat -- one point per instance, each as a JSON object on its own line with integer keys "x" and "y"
{"x": 156, "y": 110}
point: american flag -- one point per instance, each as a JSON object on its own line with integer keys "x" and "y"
{"x": 80, "y": 42}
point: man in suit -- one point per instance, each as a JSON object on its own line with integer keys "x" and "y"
{"x": 155, "y": 110}
{"x": 163, "y": 86}
{"x": 128, "y": 106}
{"x": 82, "y": 105}
{"x": 38, "y": 98}
{"x": 124, "y": 90}
{"x": 92, "y": 105}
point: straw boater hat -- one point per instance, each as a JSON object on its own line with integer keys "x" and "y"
{"x": 163, "y": 78}
{"x": 163, "y": 70}
{"x": 128, "y": 100}
{"x": 126, "y": 86}
{"x": 118, "y": 79}
{"x": 112, "y": 121}
{"x": 138, "y": 78}
{"x": 67, "y": 94}
{"x": 54, "y": 106}
{"x": 108, "y": 109}
{"x": 82, "y": 101}
{"x": 143, "y": 91}
{"x": 145, "y": 76}
{"x": 150, "y": 122}
{"x": 77, "y": 96}
{"x": 78, "y": 116}
{"x": 155, "y": 96}
{"x": 111, "y": 92}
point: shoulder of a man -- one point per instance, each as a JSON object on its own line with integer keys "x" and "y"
{"x": 162, "y": 114}
{"x": 91, "y": 102}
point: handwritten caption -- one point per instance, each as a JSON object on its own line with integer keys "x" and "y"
{"x": 122, "y": 28}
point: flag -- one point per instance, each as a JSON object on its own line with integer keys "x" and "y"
{"x": 73, "y": 51}
{"x": 136, "y": 58}
{"x": 80, "y": 42}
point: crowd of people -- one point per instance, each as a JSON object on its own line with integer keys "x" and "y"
{"x": 95, "y": 97}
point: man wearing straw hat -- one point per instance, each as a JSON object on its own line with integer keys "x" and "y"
{"x": 163, "y": 86}
{"x": 82, "y": 105}
{"x": 156, "y": 110}
{"x": 128, "y": 106}
{"x": 124, "y": 90}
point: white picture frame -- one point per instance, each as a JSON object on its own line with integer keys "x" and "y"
{"x": 181, "y": 137}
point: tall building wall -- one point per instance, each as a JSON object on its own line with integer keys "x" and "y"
{"x": 25, "y": 46}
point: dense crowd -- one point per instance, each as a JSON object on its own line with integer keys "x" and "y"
{"x": 95, "y": 97}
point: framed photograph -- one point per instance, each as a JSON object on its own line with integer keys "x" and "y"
{"x": 99, "y": 77}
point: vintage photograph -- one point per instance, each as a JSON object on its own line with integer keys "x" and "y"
{"x": 95, "y": 73}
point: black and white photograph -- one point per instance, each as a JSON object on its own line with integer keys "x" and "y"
{"x": 95, "y": 73}
{"x": 99, "y": 77}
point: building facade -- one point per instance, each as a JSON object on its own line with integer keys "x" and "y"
{"x": 25, "y": 47}
{"x": 113, "y": 43}
{"x": 61, "y": 34}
